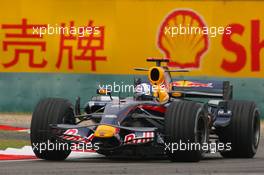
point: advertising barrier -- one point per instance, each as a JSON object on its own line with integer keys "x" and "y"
{"x": 46, "y": 48}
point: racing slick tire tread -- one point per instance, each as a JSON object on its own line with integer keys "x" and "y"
{"x": 180, "y": 122}
{"x": 50, "y": 111}
{"x": 240, "y": 132}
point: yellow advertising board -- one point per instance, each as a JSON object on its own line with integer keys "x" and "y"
{"x": 213, "y": 38}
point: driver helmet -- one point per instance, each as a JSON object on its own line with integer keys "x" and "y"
{"x": 143, "y": 91}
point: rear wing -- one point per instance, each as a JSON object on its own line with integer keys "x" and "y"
{"x": 203, "y": 89}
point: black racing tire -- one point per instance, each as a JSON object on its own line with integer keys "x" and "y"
{"x": 243, "y": 132}
{"x": 186, "y": 122}
{"x": 50, "y": 111}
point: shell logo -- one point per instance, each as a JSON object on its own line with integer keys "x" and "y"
{"x": 183, "y": 51}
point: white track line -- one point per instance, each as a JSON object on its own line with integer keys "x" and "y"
{"x": 27, "y": 151}
{"x": 24, "y": 160}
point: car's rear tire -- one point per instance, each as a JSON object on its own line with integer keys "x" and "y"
{"x": 186, "y": 122}
{"x": 243, "y": 132}
{"x": 50, "y": 111}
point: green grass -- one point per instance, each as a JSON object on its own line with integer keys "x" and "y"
{"x": 10, "y": 143}
{"x": 17, "y": 113}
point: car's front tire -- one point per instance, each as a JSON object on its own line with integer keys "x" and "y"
{"x": 50, "y": 111}
{"x": 186, "y": 122}
{"x": 243, "y": 133}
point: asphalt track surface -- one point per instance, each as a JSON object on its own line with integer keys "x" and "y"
{"x": 212, "y": 164}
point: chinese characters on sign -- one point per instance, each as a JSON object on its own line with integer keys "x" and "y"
{"x": 28, "y": 43}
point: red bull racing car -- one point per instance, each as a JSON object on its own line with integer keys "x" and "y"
{"x": 181, "y": 120}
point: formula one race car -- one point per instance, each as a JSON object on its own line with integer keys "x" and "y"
{"x": 162, "y": 118}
